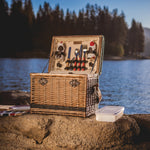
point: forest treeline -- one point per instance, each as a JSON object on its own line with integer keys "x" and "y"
{"x": 23, "y": 32}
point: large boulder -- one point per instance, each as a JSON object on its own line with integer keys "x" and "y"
{"x": 61, "y": 132}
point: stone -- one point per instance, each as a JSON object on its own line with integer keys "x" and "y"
{"x": 64, "y": 132}
{"x": 14, "y": 98}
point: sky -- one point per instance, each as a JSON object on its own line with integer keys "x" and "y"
{"x": 137, "y": 9}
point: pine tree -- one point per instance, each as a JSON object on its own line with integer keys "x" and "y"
{"x": 119, "y": 33}
{"x": 87, "y": 19}
{"x": 46, "y": 10}
{"x": 92, "y": 20}
{"x": 28, "y": 11}
{"x": 73, "y": 23}
{"x": 126, "y": 45}
{"x": 104, "y": 27}
{"x": 80, "y": 23}
{"x": 29, "y": 15}
{"x": 68, "y": 23}
{"x": 18, "y": 27}
{"x": 56, "y": 20}
{"x": 39, "y": 13}
{"x": 133, "y": 38}
{"x": 140, "y": 39}
{"x": 62, "y": 22}
{"x": 43, "y": 28}
{"x": 4, "y": 27}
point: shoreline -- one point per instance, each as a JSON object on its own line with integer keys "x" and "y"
{"x": 124, "y": 58}
{"x": 46, "y": 56}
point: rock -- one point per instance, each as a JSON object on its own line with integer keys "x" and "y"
{"x": 144, "y": 124}
{"x": 14, "y": 98}
{"x": 62, "y": 132}
{"x": 143, "y": 121}
{"x": 27, "y": 125}
{"x": 12, "y": 141}
{"x": 90, "y": 134}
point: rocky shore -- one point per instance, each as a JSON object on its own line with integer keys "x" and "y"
{"x": 118, "y": 58}
{"x": 50, "y": 132}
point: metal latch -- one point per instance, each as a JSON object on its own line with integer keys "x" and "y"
{"x": 74, "y": 83}
{"x": 43, "y": 81}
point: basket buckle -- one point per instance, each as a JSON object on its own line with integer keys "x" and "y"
{"x": 43, "y": 81}
{"x": 74, "y": 83}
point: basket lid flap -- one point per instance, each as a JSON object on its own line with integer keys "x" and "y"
{"x": 76, "y": 54}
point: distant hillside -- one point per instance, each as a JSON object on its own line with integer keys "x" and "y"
{"x": 147, "y": 41}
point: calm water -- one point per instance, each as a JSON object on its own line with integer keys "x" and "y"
{"x": 125, "y": 83}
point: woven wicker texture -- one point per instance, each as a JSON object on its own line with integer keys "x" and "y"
{"x": 63, "y": 94}
{"x": 68, "y": 92}
{"x": 57, "y": 92}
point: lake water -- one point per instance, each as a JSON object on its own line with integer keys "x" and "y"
{"x": 125, "y": 83}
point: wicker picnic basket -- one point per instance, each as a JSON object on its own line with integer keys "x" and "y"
{"x": 71, "y": 85}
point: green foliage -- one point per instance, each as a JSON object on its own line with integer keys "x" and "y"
{"x": 116, "y": 49}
